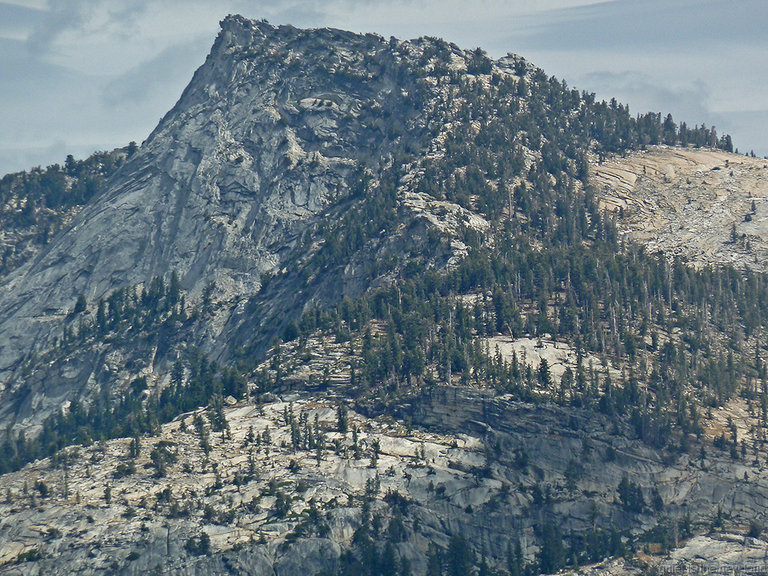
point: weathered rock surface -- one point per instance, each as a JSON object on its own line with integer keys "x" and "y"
{"x": 230, "y": 177}
{"x": 465, "y": 478}
{"x": 692, "y": 203}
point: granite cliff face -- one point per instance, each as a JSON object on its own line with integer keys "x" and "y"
{"x": 277, "y": 133}
{"x": 247, "y": 159}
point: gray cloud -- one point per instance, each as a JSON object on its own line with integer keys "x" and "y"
{"x": 17, "y": 21}
{"x": 747, "y": 126}
{"x": 59, "y": 17}
{"x": 172, "y": 66}
{"x": 650, "y": 25}
{"x": 683, "y": 103}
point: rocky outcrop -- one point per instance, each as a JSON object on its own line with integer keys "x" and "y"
{"x": 469, "y": 464}
{"x": 226, "y": 184}
{"x": 704, "y": 206}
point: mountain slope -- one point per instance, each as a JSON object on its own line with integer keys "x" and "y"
{"x": 412, "y": 230}
{"x": 223, "y": 191}
{"x": 279, "y": 135}
{"x": 35, "y": 205}
{"x": 195, "y": 198}
{"x": 272, "y": 503}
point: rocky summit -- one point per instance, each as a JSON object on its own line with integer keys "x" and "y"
{"x": 369, "y": 306}
{"x": 276, "y": 137}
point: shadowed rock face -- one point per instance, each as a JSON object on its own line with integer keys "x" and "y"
{"x": 270, "y": 132}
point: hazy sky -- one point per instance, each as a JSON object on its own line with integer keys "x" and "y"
{"x": 84, "y": 75}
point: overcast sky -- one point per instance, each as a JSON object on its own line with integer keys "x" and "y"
{"x": 84, "y": 75}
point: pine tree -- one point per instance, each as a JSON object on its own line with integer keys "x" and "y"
{"x": 342, "y": 423}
